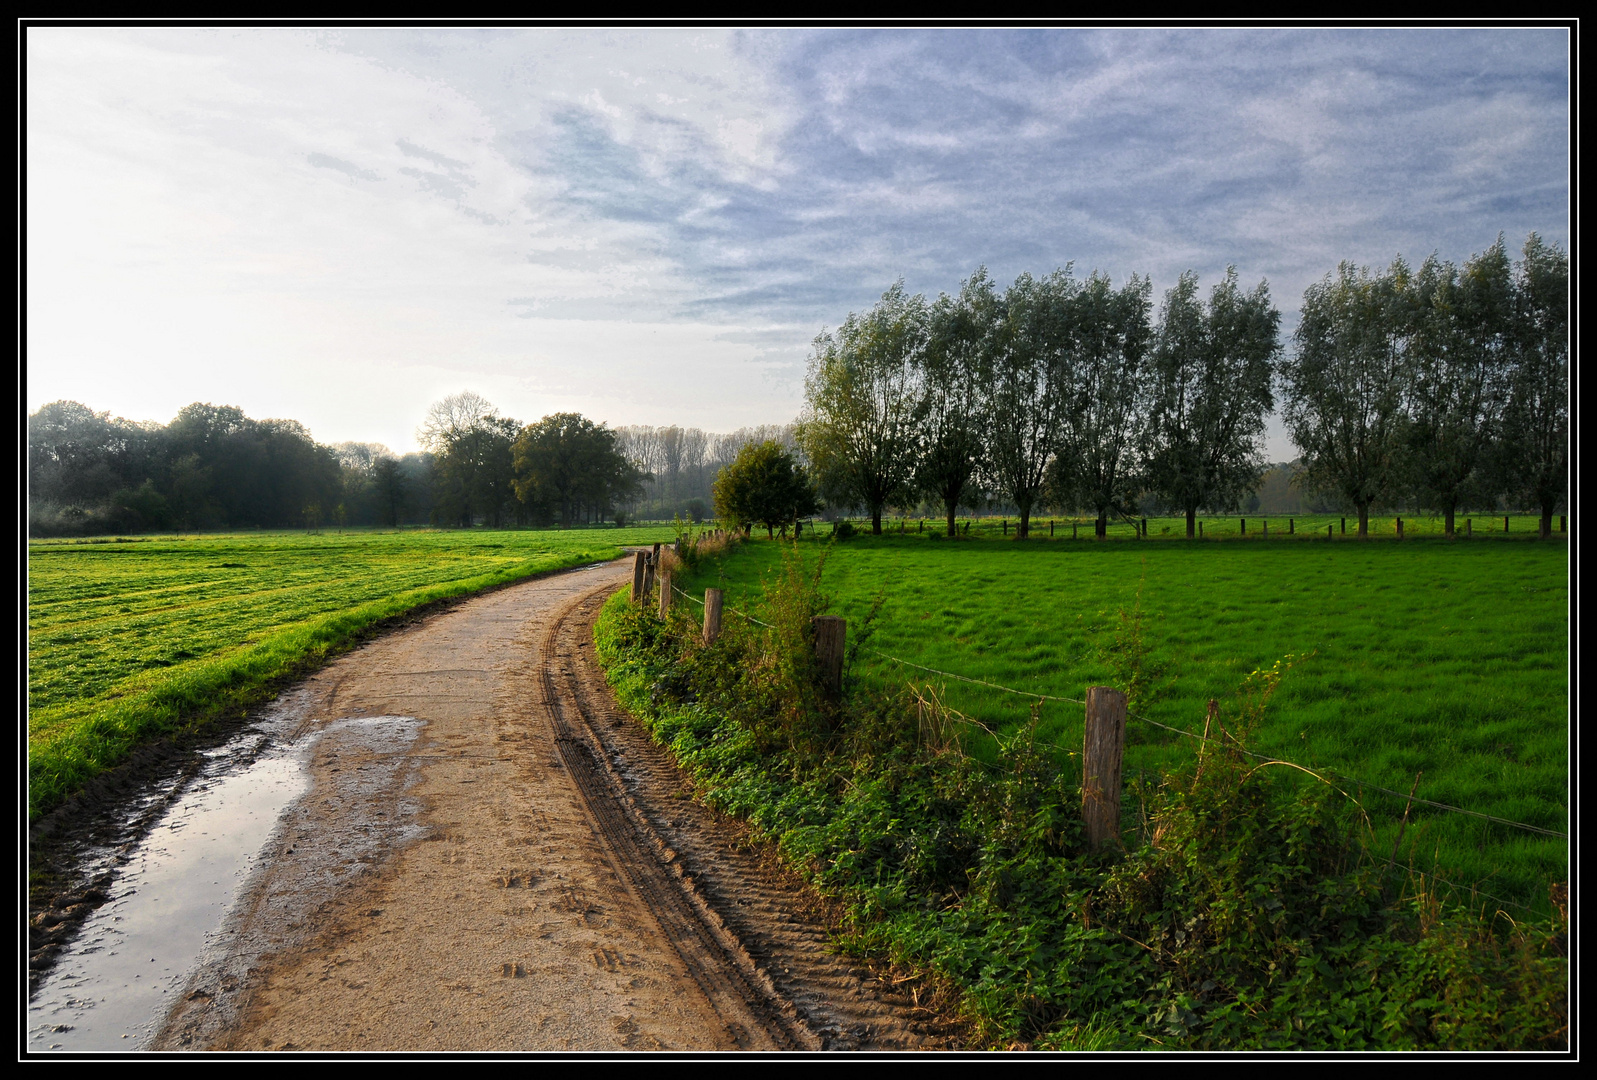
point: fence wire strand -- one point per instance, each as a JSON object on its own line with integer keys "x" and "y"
{"x": 1181, "y": 731}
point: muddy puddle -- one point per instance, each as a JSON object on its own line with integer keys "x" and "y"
{"x": 170, "y": 890}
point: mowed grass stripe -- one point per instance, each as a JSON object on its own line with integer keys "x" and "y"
{"x": 102, "y": 680}
{"x": 1446, "y": 658}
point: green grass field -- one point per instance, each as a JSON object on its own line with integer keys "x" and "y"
{"x": 130, "y": 637}
{"x": 1447, "y": 659}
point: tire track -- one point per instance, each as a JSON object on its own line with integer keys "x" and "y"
{"x": 743, "y": 922}
{"x": 755, "y": 1016}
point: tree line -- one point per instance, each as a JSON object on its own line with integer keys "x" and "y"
{"x": 213, "y": 467}
{"x": 1443, "y": 387}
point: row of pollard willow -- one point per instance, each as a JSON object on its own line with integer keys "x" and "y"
{"x": 1291, "y": 527}
{"x": 1103, "y": 743}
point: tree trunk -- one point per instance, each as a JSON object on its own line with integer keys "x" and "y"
{"x": 953, "y": 529}
{"x": 1192, "y": 523}
{"x": 1100, "y": 527}
{"x": 1023, "y": 530}
{"x": 876, "y": 521}
{"x": 1364, "y": 520}
{"x": 1447, "y": 517}
{"x": 768, "y": 533}
{"x": 1547, "y": 520}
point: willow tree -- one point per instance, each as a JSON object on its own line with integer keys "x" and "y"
{"x": 858, "y": 429}
{"x": 1030, "y": 387}
{"x": 1534, "y": 452}
{"x": 1209, "y": 380}
{"x": 1346, "y": 383}
{"x": 1107, "y": 401}
{"x": 1460, "y": 360}
{"x": 952, "y": 413}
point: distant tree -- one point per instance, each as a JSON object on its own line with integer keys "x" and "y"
{"x": 1346, "y": 384}
{"x": 472, "y": 452}
{"x": 858, "y": 427}
{"x": 953, "y": 410}
{"x": 1209, "y": 383}
{"x": 1533, "y": 455}
{"x": 1030, "y": 382}
{"x": 1098, "y": 465}
{"x": 763, "y": 486}
{"x": 1462, "y": 340}
{"x": 388, "y": 482}
{"x": 565, "y": 463}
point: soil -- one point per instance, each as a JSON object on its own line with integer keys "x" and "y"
{"x": 491, "y": 855}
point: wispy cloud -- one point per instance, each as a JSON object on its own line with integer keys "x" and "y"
{"x": 296, "y": 211}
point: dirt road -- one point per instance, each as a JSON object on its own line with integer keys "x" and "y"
{"x": 492, "y": 857}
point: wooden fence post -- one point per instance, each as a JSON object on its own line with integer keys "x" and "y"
{"x": 637, "y": 577}
{"x": 1200, "y": 530}
{"x": 1145, "y": 528}
{"x": 830, "y": 631}
{"x": 1006, "y": 526}
{"x": 1467, "y": 523}
{"x": 1400, "y": 528}
{"x": 665, "y": 594}
{"x": 1104, "y": 743}
{"x": 712, "y": 615}
{"x": 1244, "y": 526}
{"x": 1344, "y": 526}
{"x": 1072, "y": 530}
{"x": 1051, "y": 527}
{"x": 1505, "y": 522}
{"x": 1267, "y": 528}
{"x": 648, "y": 575}
{"x": 1291, "y": 526}
{"x": 1330, "y": 532}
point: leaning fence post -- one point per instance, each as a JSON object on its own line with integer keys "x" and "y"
{"x": 1104, "y": 743}
{"x": 637, "y": 577}
{"x": 712, "y": 615}
{"x": 665, "y": 594}
{"x": 830, "y": 631}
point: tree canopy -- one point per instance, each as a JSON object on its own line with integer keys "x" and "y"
{"x": 763, "y": 486}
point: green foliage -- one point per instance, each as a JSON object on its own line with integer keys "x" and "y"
{"x": 565, "y": 462}
{"x": 763, "y": 485}
{"x": 1247, "y": 914}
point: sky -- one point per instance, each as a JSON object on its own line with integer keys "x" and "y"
{"x": 651, "y": 226}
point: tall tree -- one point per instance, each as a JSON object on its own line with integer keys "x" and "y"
{"x": 1461, "y": 342}
{"x": 1346, "y": 384}
{"x": 1099, "y": 467}
{"x": 567, "y": 463}
{"x": 472, "y": 457}
{"x": 858, "y": 428}
{"x": 1209, "y": 382}
{"x": 1030, "y": 385}
{"x": 1534, "y": 451}
{"x": 952, "y": 413}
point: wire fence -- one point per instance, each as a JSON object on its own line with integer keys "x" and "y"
{"x": 1263, "y": 758}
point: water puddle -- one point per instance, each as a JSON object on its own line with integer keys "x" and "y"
{"x": 116, "y": 981}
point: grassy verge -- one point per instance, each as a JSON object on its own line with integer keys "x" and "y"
{"x": 138, "y": 638}
{"x": 1245, "y": 909}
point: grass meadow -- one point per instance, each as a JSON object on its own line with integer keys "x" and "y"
{"x": 1429, "y": 659}
{"x": 132, "y": 637}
